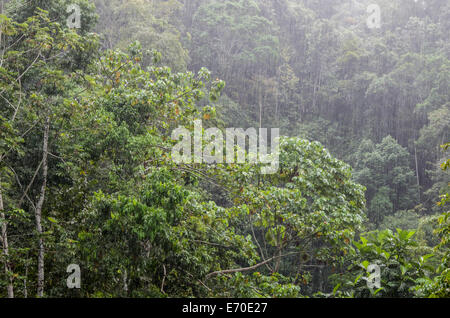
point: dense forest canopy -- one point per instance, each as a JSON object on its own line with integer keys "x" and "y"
{"x": 91, "y": 92}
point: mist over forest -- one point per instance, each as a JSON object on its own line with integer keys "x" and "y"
{"x": 107, "y": 105}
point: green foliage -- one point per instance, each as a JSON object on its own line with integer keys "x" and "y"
{"x": 395, "y": 254}
{"x": 123, "y": 22}
{"x": 439, "y": 286}
{"x": 384, "y": 170}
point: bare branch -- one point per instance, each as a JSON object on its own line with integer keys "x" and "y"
{"x": 246, "y": 269}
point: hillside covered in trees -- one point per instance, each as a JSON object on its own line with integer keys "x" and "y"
{"x": 91, "y": 92}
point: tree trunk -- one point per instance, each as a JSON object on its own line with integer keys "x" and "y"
{"x": 4, "y": 228}
{"x": 260, "y": 102}
{"x": 4, "y": 241}
{"x": 277, "y": 260}
{"x": 41, "y": 254}
{"x": 417, "y": 171}
{"x": 25, "y": 288}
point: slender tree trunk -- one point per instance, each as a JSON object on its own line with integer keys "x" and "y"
{"x": 125, "y": 282}
{"x": 4, "y": 227}
{"x": 260, "y": 105}
{"x": 417, "y": 171}
{"x": 1, "y": 12}
{"x": 4, "y": 241}
{"x": 25, "y": 288}
{"x": 277, "y": 117}
{"x": 41, "y": 254}
{"x": 279, "y": 246}
{"x": 277, "y": 260}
